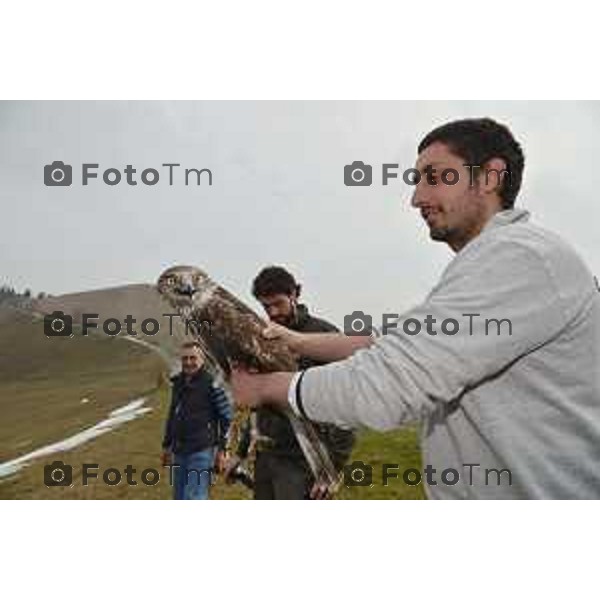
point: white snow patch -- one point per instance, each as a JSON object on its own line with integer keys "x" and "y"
{"x": 130, "y": 411}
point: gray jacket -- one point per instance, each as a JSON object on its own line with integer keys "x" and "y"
{"x": 523, "y": 408}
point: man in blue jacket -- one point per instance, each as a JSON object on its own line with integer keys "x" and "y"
{"x": 197, "y": 427}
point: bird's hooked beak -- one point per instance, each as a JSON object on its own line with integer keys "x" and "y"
{"x": 186, "y": 286}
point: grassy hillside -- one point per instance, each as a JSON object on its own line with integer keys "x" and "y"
{"x": 141, "y": 301}
{"x": 42, "y": 382}
{"x": 138, "y": 444}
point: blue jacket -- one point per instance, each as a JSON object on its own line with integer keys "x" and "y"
{"x": 199, "y": 416}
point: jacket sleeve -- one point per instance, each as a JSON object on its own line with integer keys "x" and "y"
{"x": 167, "y": 442}
{"x": 224, "y": 414}
{"x": 402, "y": 377}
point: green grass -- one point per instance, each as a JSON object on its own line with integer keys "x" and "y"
{"x": 376, "y": 449}
{"x": 43, "y": 381}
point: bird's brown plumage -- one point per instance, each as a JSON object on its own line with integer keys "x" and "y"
{"x": 227, "y": 326}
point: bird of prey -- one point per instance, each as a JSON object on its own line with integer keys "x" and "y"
{"x": 231, "y": 334}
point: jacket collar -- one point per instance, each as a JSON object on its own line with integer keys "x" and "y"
{"x": 302, "y": 316}
{"x": 507, "y": 217}
{"x": 181, "y": 378}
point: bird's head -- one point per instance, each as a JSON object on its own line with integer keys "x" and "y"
{"x": 183, "y": 286}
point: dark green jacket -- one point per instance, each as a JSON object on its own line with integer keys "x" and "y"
{"x": 276, "y": 426}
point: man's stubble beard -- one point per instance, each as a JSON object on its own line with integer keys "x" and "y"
{"x": 455, "y": 237}
{"x": 458, "y": 236}
{"x": 291, "y": 318}
{"x": 440, "y": 234}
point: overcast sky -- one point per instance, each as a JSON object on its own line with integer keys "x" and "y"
{"x": 278, "y": 195}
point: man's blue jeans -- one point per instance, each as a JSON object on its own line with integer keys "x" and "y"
{"x": 192, "y": 474}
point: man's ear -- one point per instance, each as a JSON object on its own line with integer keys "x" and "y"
{"x": 493, "y": 175}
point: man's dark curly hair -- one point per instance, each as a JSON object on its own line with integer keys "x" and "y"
{"x": 274, "y": 280}
{"x": 478, "y": 141}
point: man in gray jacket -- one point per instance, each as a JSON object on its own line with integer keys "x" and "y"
{"x": 500, "y": 361}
